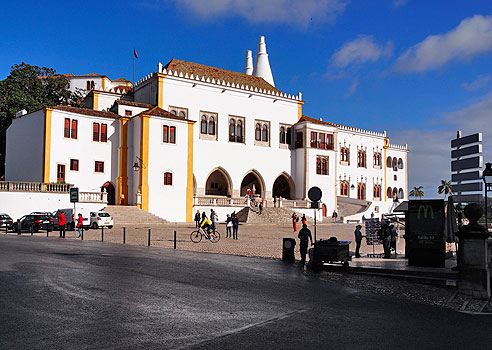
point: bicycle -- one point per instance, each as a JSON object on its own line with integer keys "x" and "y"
{"x": 196, "y": 236}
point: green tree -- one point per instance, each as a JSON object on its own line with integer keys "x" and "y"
{"x": 30, "y": 88}
{"x": 417, "y": 192}
{"x": 445, "y": 187}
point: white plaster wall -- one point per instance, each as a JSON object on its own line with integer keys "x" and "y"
{"x": 133, "y": 153}
{"x": 236, "y": 158}
{"x": 401, "y": 174}
{"x": 106, "y": 100}
{"x": 168, "y": 202}
{"x": 81, "y": 83}
{"x": 147, "y": 92}
{"x": 325, "y": 182}
{"x": 135, "y": 110}
{"x": 17, "y": 204}
{"x": 85, "y": 150}
{"x": 24, "y": 150}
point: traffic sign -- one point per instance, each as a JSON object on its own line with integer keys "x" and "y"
{"x": 314, "y": 194}
{"x": 74, "y": 195}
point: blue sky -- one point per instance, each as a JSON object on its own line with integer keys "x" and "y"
{"x": 419, "y": 69}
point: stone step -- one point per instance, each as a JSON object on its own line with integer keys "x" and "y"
{"x": 268, "y": 216}
{"x": 127, "y": 215}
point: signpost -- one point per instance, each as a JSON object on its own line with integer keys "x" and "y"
{"x": 424, "y": 225}
{"x": 372, "y": 228}
{"x": 74, "y": 198}
{"x": 315, "y": 195}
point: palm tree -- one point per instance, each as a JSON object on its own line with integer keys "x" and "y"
{"x": 417, "y": 192}
{"x": 445, "y": 187}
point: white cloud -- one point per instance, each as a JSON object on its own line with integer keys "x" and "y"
{"x": 480, "y": 83}
{"x": 472, "y": 37}
{"x": 429, "y": 158}
{"x": 361, "y": 50}
{"x": 353, "y": 89}
{"x": 271, "y": 11}
{"x": 399, "y": 3}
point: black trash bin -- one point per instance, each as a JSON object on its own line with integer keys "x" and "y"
{"x": 288, "y": 250}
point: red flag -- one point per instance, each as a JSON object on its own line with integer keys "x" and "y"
{"x": 135, "y": 53}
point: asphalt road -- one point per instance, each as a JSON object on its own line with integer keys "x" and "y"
{"x": 67, "y": 294}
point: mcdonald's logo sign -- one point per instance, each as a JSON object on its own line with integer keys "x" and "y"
{"x": 425, "y": 209}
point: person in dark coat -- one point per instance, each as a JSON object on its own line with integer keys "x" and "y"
{"x": 304, "y": 238}
{"x": 385, "y": 236}
{"x": 358, "y": 240}
{"x": 235, "y": 226}
{"x": 197, "y": 218}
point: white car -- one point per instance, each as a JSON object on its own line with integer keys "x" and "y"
{"x": 101, "y": 219}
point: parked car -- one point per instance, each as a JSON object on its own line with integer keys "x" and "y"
{"x": 70, "y": 224}
{"x": 34, "y": 223}
{"x": 6, "y": 221}
{"x": 101, "y": 219}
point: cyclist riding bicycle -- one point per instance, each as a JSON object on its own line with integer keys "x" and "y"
{"x": 205, "y": 223}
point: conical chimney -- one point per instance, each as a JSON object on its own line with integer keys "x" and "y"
{"x": 249, "y": 62}
{"x": 262, "y": 65}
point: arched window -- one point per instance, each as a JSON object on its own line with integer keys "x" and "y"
{"x": 211, "y": 126}
{"x": 264, "y": 133}
{"x": 388, "y": 192}
{"x": 182, "y": 114}
{"x": 395, "y": 193}
{"x": 388, "y": 162}
{"x": 258, "y": 132}
{"x": 361, "y": 191}
{"x": 395, "y": 164}
{"x": 400, "y": 193}
{"x": 239, "y": 131}
{"x": 173, "y": 111}
{"x": 400, "y": 163}
{"x": 203, "y": 125}
{"x": 232, "y": 130}
{"x": 344, "y": 188}
{"x": 282, "y": 135}
{"x": 361, "y": 159}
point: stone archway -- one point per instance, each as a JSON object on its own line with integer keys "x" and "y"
{"x": 253, "y": 181}
{"x": 109, "y": 189}
{"x": 283, "y": 187}
{"x": 218, "y": 183}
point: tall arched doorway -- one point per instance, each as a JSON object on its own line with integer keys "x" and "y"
{"x": 218, "y": 183}
{"x": 254, "y": 182}
{"x": 283, "y": 187}
{"x": 109, "y": 188}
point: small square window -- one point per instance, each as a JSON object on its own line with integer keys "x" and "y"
{"x": 128, "y": 113}
{"x": 74, "y": 164}
{"x": 99, "y": 167}
{"x": 394, "y": 177}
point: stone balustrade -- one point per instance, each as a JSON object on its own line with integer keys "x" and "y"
{"x": 19, "y": 186}
{"x": 244, "y": 202}
{"x": 93, "y": 197}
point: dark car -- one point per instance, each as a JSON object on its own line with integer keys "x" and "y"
{"x": 6, "y": 221}
{"x": 34, "y": 223}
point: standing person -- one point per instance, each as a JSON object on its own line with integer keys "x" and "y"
{"x": 261, "y": 207}
{"x": 274, "y": 202}
{"x": 358, "y": 240}
{"x": 235, "y": 226}
{"x": 334, "y": 216}
{"x": 372, "y": 215}
{"x": 80, "y": 225}
{"x": 304, "y": 238}
{"x": 62, "y": 220}
{"x": 385, "y": 236}
{"x": 394, "y": 236}
{"x": 295, "y": 219}
{"x": 212, "y": 218}
{"x": 228, "y": 226}
{"x": 303, "y": 219}
{"x": 197, "y": 219}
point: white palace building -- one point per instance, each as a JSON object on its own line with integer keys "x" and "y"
{"x": 191, "y": 137}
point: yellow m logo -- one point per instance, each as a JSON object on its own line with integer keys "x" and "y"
{"x": 425, "y": 209}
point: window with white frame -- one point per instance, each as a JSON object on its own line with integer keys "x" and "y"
{"x": 179, "y": 111}
{"x": 236, "y": 129}
{"x": 262, "y": 133}
{"x": 208, "y": 125}
{"x": 168, "y": 134}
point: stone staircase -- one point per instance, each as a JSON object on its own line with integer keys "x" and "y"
{"x": 351, "y": 206}
{"x": 131, "y": 215}
{"x": 268, "y": 216}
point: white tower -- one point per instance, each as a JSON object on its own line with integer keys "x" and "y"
{"x": 249, "y": 62}
{"x": 262, "y": 65}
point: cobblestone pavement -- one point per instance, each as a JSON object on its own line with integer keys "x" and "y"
{"x": 266, "y": 241}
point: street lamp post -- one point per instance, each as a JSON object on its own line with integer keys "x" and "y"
{"x": 487, "y": 179}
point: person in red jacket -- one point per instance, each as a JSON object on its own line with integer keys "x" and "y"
{"x": 80, "y": 225}
{"x": 61, "y": 224}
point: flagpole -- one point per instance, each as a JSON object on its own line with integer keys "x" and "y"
{"x": 134, "y": 68}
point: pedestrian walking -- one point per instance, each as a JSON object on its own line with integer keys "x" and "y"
{"x": 62, "y": 220}
{"x": 334, "y": 216}
{"x": 358, "y": 240}
{"x": 304, "y": 238}
{"x": 212, "y": 218}
{"x": 228, "y": 226}
{"x": 80, "y": 225}
{"x": 295, "y": 219}
{"x": 197, "y": 219}
{"x": 261, "y": 207}
{"x": 303, "y": 219}
{"x": 235, "y": 226}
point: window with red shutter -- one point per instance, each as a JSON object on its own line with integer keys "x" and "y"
{"x": 95, "y": 132}
{"x": 74, "y": 129}
{"x": 322, "y": 141}
{"x": 60, "y": 173}
{"x": 324, "y": 167}
{"x": 104, "y": 133}
{"x": 172, "y": 134}
{"x": 74, "y": 164}
{"x": 314, "y": 139}
{"x": 168, "y": 179}
{"x": 99, "y": 167}
{"x": 66, "y": 132}
{"x": 165, "y": 134}
{"x": 318, "y": 166}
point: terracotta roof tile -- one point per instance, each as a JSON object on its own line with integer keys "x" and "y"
{"x": 305, "y": 118}
{"x": 134, "y": 104}
{"x": 123, "y": 80}
{"x": 122, "y": 88}
{"x": 219, "y": 74}
{"x": 159, "y": 112}
{"x": 87, "y": 111}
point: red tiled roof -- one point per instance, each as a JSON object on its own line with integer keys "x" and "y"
{"x": 218, "y": 74}
{"x": 305, "y": 118}
{"x": 134, "y": 104}
{"x": 87, "y": 111}
{"x": 123, "y": 80}
{"x": 123, "y": 88}
{"x": 159, "y": 112}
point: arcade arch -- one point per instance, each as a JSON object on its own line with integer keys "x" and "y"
{"x": 253, "y": 181}
{"x": 218, "y": 183}
{"x": 283, "y": 187}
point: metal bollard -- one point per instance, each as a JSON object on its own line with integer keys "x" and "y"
{"x": 6, "y": 229}
{"x": 124, "y": 235}
{"x": 82, "y": 235}
{"x": 174, "y": 239}
{"x": 102, "y": 234}
{"x": 47, "y": 232}
{"x": 148, "y": 241}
